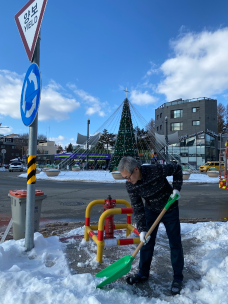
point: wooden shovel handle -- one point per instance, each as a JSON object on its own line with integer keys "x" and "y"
{"x": 149, "y": 232}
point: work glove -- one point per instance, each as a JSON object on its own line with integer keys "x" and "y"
{"x": 174, "y": 193}
{"x": 142, "y": 237}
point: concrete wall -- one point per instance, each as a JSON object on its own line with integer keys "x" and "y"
{"x": 47, "y": 147}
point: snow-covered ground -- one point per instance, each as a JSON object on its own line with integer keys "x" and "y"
{"x": 106, "y": 177}
{"x": 42, "y": 276}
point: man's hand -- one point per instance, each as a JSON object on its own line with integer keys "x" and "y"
{"x": 142, "y": 237}
{"x": 174, "y": 193}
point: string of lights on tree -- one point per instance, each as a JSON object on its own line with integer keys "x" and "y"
{"x": 124, "y": 133}
{"x": 125, "y": 144}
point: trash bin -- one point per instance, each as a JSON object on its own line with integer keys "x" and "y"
{"x": 18, "y": 207}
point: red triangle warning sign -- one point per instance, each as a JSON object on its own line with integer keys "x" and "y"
{"x": 28, "y": 21}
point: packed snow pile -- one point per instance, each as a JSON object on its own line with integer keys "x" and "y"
{"x": 106, "y": 177}
{"x": 42, "y": 276}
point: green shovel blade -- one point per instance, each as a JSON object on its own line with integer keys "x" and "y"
{"x": 115, "y": 271}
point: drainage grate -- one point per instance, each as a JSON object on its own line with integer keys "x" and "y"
{"x": 72, "y": 203}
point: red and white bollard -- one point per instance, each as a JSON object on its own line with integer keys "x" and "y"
{"x": 109, "y": 221}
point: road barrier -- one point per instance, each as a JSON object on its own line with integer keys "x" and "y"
{"x": 106, "y": 226}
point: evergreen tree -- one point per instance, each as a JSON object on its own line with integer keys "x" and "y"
{"x": 59, "y": 149}
{"x": 221, "y": 112}
{"x": 106, "y": 140}
{"x": 150, "y": 127}
{"x": 125, "y": 144}
{"x": 69, "y": 148}
{"x": 226, "y": 118}
{"x": 143, "y": 140}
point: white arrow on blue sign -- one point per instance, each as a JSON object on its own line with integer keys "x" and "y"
{"x": 30, "y": 95}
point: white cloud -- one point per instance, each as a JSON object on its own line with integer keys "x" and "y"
{"x": 53, "y": 105}
{"x": 94, "y": 106}
{"x": 10, "y": 93}
{"x": 6, "y": 131}
{"x": 152, "y": 70}
{"x": 199, "y": 66}
{"x": 139, "y": 98}
{"x": 58, "y": 140}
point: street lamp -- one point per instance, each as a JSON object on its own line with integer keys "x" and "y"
{"x": 87, "y": 157}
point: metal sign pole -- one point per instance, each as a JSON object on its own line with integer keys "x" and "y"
{"x": 31, "y": 172}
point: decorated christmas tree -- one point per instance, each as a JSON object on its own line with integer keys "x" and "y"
{"x": 125, "y": 144}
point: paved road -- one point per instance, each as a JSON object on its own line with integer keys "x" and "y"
{"x": 68, "y": 200}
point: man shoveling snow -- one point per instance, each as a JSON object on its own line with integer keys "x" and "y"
{"x": 150, "y": 183}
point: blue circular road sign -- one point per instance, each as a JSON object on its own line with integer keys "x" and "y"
{"x": 30, "y": 95}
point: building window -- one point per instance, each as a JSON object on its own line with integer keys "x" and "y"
{"x": 176, "y": 113}
{"x": 160, "y": 115}
{"x": 46, "y": 152}
{"x": 196, "y": 109}
{"x": 157, "y": 117}
{"x": 196, "y": 122}
{"x": 176, "y": 126}
{"x": 13, "y": 147}
{"x": 17, "y": 154}
{"x": 160, "y": 127}
{"x": 157, "y": 128}
{"x": 2, "y": 146}
{"x": 12, "y": 154}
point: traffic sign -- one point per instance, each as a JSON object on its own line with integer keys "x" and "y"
{"x": 30, "y": 95}
{"x": 28, "y": 21}
{"x": 3, "y": 151}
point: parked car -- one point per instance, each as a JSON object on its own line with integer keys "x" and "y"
{"x": 208, "y": 165}
{"x": 16, "y": 166}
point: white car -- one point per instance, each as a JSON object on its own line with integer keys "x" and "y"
{"x": 16, "y": 166}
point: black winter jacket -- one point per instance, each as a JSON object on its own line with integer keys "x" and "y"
{"x": 155, "y": 189}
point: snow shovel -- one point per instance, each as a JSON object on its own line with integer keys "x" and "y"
{"x": 123, "y": 266}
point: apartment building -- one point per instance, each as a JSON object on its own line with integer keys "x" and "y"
{"x": 195, "y": 120}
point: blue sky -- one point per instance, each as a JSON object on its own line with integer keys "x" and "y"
{"x": 91, "y": 50}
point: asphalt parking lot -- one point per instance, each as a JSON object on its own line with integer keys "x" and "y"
{"x": 68, "y": 200}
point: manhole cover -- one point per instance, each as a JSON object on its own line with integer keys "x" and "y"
{"x": 72, "y": 203}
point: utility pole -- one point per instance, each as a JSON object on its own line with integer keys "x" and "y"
{"x": 87, "y": 146}
{"x": 166, "y": 139}
{"x": 4, "y": 151}
{"x": 32, "y": 150}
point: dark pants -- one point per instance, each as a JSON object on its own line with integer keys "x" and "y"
{"x": 172, "y": 225}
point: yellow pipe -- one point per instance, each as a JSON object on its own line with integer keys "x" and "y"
{"x": 136, "y": 241}
{"x": 101, "y": 202}
{"x": 105, "y": 214}
{"x": 91, "y": 204}
{"x": 130, "y": 227}
{"x": 123, "y": 202}
{"x": 86, "y": 235}
{"x": 100, "y": 246}
{"x": 94, "y": 227}
{"x": 120, "y": 226}
{"x": 94, "y": 237}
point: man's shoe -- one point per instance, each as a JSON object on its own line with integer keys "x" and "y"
{"x": 176, "y": 287}
{"x": 136, "y": 278}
